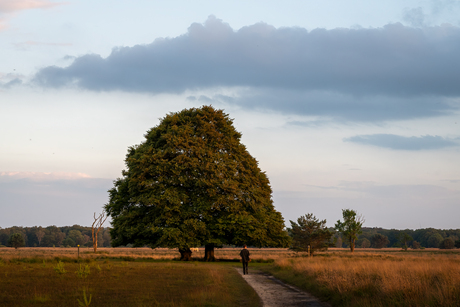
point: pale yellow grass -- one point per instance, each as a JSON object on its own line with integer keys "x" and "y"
{"x": 263, "y": 254}
{"x": 423, "y": 279}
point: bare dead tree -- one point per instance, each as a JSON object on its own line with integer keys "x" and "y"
{"x": 97, "y": 225}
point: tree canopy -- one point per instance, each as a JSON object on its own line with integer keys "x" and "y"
{"x": 379, "y": 241}
{"x": 350, "y": 227}
{"x": 16, "y": 240}
{"x": 193, "y": 183}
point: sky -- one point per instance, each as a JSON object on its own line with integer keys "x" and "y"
{"x": 345, "y": 104}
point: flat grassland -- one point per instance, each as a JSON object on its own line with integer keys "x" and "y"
{"x": 48, "y": 278}
{"x": 146, "y": 277}
{"x": 387, "y": 277}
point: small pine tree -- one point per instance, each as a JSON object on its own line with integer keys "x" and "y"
{"x": 309, "y": 233}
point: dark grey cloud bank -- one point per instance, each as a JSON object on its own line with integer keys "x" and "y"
{"x": 393, "y": 60}
{"x": 398, "y": 142}
{"x": 335, "y": 105}
{"x": 336, "y": 72}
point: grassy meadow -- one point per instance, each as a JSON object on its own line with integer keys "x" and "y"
{"x": 385, "y": 277}
{"x": 146, "y": 277}
{"x": 44, "y": 281}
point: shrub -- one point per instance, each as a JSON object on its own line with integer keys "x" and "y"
{"x": 434, "y": 240}
{"x": 379, "y": 241}
{"x": 457, "y": 244}
{"x": 447, "y": 243}
{"x": 16, "y": 240}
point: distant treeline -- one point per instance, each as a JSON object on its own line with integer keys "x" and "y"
{"x": 53, "y": 236}
{"x": 71, "y": 236}
{"x": 420, "y": 238}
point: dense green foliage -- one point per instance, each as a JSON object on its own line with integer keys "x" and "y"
{"x": 447, "y": 243}
{"x": 55, "y": 236}
{"x": 394, "y": 236}
{"x": 404, "y": 238}
{"x": 309, "y": 233}
{"x": 192, "y": 183}
{"x": 379, "y": 241}
{"x": 412, "y": 237}
{"x": 16, "y": 240}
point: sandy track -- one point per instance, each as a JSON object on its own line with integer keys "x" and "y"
{"x": 275, "y": 293}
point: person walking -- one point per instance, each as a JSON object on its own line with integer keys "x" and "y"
{"x": 245, "y": 258}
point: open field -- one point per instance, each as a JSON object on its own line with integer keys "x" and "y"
{"x": 146, "y": 277}
{"x": 122, "y": 283}
{"x": 257, "y": 254}
{"x": 384, "y": 278}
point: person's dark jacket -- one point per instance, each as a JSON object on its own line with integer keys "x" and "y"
{"x": 244, "y": 255}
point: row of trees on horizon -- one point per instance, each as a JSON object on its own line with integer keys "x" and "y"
{"x": 53, "y": 236}
{"x": 71, "y": 236}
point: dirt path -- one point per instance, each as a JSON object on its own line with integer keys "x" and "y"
{"x": 275, "y": 293}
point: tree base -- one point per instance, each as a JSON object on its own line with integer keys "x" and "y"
{"x": 185, "y": 254}
{"x": 209, "y": 253}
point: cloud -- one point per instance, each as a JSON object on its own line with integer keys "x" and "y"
{"x": 11, "y": 79}
{"x": 376, "y": 74}
{"x": 9, "y": 6}
{"x": 393, "y": 61}
{"x": 414, "y": 17}
{"x": 345, "y": 107}
{"x": 397, "y": 142}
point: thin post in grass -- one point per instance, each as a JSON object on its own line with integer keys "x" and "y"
{"x": 78, "y": 246}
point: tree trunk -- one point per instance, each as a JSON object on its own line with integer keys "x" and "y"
{"x": 352, "y": 245}
{"x": 209, "y": 252}
{"x": 95, "y": 244}
{"x": 185, "y": 254}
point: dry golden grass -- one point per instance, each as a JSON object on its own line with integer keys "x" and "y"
{"x": 378, "y": 279}
{"x": 257, "y": 254}
{"x": 369, "y": 277}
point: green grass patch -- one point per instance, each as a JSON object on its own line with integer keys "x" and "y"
{"x": 123, "y": 283}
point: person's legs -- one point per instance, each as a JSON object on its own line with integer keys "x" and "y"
{"x": 245, "y": 267}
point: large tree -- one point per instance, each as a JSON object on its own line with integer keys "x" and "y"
{"x": 350, "y": 227}
{"x": 309, "y": 234}
{"x": 192, "y": 183}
